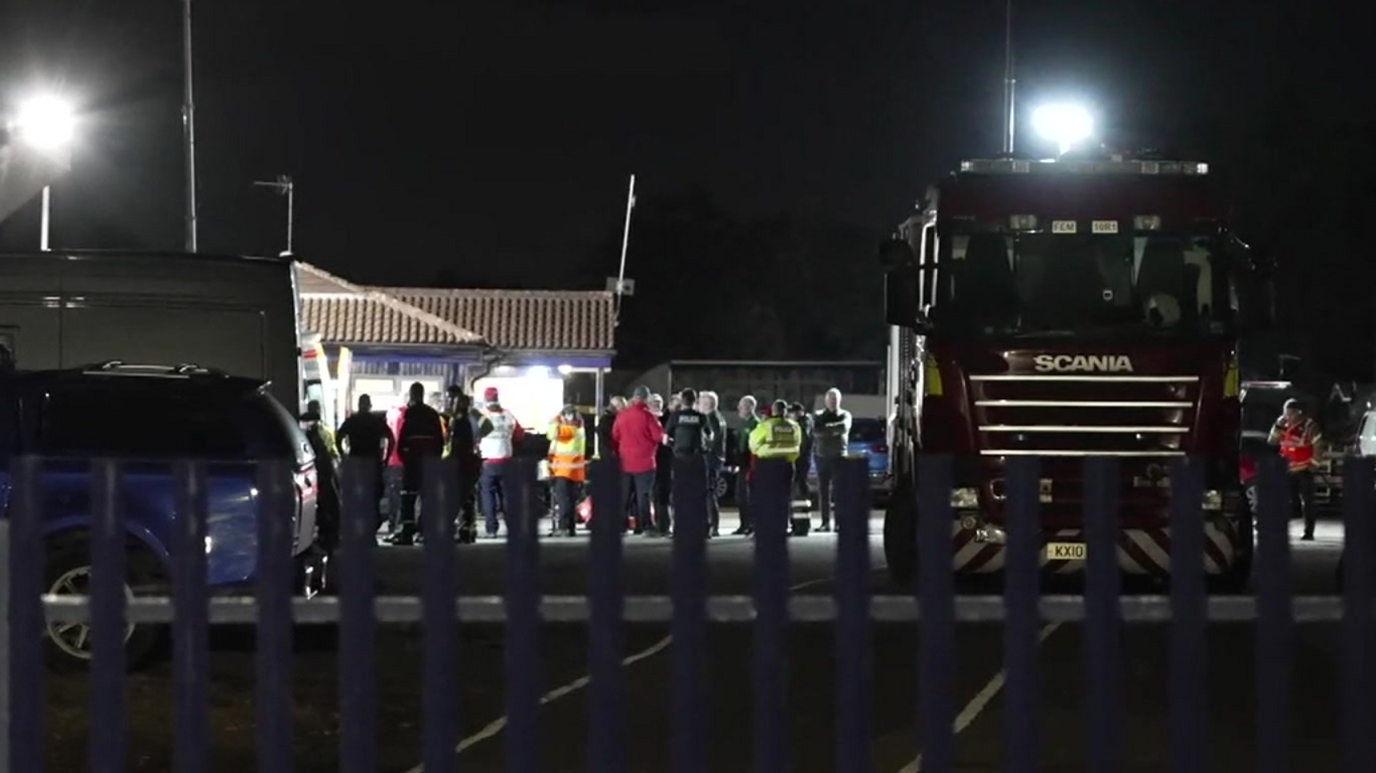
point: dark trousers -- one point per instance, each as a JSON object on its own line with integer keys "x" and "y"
{"x": 713, "y": 506}
{"x": 826, "y": 476}
{"x": 639, "y": 486}
{"x": 468, "y": 469}
{"x": 664, "y": 489}
{"x": 1302, "y": 497}
{"x": 743, "y": 496}
{"x": 411, "y": 474}
{"x": 562, "y": 520}
{"x": 327, "y": 509}
{"x": 493, "y": 496}
{"x": 801, "y": 468}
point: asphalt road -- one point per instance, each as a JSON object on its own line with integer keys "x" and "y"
{"x": 811, "y": 716}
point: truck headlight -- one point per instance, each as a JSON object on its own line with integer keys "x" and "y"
{"x": 965, "y": 498}
{"x": 1213, "y": 499}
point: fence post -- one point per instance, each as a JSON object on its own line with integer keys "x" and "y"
{"x": 1275, "y": 617}
{"x": 936, "y": 594}
{"x": 1188, "y": 670}
{"x": 1103, "y": 583}
{"x": 689, "y": 625}
{"x": 770, "y": 496}
{"x": 357, "y": 622}
{"x": 108, "y": 737}
{"x": 854, "y": 655}
{"x": 606, "y": 690}
{"x": 1021, "y": 593}
{"x": 523, "y": 616}
{"x": 25, "y": 559}
{"x": 1358, "y": 482}
{"x": 440, "y": 694}
{"x": 190, "y": 625}
{"x": 5, "y": 645}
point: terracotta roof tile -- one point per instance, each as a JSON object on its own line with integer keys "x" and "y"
{"x": 345, "y": 313}
{"x": 533, "y": 320}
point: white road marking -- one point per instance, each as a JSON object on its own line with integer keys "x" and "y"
{"x": 497, "y": 725}
{"x": 977, "y": 704}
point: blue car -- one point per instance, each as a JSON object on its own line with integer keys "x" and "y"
{"x": 147, "y": 418}
{"x": 868, "y": 439}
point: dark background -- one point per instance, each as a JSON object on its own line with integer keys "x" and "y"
{"x": 490, "y": 144}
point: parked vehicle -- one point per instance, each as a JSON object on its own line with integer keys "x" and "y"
{"x": 147, "y": 418}
{"x": 235, "y": 314}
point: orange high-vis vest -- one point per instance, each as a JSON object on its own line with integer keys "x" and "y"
{"x": 567, "y": 451}
{"x": 1297, "y": 446}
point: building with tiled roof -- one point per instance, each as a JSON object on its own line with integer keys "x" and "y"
{"x": 541, "y": 347}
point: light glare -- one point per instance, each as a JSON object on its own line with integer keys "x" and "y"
{"x": 1065, "y": 125}
{"x": 46, "y": 122}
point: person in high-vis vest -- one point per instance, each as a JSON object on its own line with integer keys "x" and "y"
{"x": 567, "y": 468}
{"x": 498, "y": 434}
{"x": 1298, "y": 437}
{"x": 778, "y": 437}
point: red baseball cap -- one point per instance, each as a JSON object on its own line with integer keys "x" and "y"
{"x": 490, "y": 394}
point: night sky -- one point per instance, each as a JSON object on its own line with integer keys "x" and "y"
{"x": 495, "y": 139}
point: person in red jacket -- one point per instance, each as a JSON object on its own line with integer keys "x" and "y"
{"x": 638, "y": 436}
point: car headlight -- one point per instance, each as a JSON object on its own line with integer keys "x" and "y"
{"x": 964, "y": 498}
{"x": 1213, "y": 499}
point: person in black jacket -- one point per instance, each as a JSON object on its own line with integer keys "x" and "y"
{"x": 461, "y": 448}
{"x": 803, "y": 466}
{"x": 716, "y": 456}
{"x": 606, "y": 445}
{"x": 664, "y": 469}
{"x": 421, "y": 437}
{"x": 688, "y": 429}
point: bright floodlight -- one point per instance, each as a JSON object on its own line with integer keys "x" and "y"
{"x": 46, "y": 122}
{"x": 1065, "y": 125}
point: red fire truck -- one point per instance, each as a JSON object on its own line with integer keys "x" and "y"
{"x": 1086, "y": 306}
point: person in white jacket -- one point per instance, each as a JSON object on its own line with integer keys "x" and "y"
{"x": 498, "y": 434}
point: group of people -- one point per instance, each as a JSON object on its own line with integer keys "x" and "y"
{"x": 477, "y": 443}
{"x": 647, "y": 435}
{"x": 643, "y": 432}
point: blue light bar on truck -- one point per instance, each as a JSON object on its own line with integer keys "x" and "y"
{"x": 1096, "y": 166}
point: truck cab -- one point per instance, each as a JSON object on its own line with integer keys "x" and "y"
{"x": 1066, "y": 309}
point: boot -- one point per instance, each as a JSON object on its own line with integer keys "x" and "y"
{"x": 406, "y": 537}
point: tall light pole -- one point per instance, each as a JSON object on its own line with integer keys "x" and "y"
{"x": 47, "y": 124}
{"x": 284, "y": 186}
{"x": 189, "y": 128}
{"x": 1010, "y": 83}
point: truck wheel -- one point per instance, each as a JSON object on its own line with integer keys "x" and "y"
{"x": 67, "y": 646}
{"x": 900, "y": 536}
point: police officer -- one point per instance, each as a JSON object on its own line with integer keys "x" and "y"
{"x": 778, "y": 437}
{"x": 689, "y": 429}
{"x": 421, "y": 438}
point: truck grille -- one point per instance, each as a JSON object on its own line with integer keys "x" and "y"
{"x": 1054, "y": 415}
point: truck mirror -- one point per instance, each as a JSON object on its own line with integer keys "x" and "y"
{"x": 896, "y": 253}
{"x": 902, "y": 307}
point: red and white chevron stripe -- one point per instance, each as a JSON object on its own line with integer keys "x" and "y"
{"x": 1140, "y": 551}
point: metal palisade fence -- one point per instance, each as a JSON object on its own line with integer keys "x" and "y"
{"x": 852, "y": 609}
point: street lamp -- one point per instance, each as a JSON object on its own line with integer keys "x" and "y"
{"x": 1064, "y": 124}
{"x": 47, "y": 123}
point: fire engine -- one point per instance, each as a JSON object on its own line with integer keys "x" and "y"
{"x": 1085, "y": 306}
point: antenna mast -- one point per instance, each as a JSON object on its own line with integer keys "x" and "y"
{"x": 1010, "y": 83}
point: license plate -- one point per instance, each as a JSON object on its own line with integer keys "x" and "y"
{"x": 1065, "y": 551}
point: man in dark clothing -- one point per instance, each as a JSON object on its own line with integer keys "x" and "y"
{"x": 365, "y": 435}
{"x": 461, "y": 448}
{"x": 750, "y": 420}
{"x": 327, "y": 475}
{"x": 606, "y": 445}
{"x": 831, "y": 439}
{"x": 664, "y": 468}
{"x": 421, "y": 438}
{"x": 803, "y": 466}
{"x": 716, "y": 456}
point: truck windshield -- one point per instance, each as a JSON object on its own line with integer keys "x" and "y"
{"x": 1083, "y": 284}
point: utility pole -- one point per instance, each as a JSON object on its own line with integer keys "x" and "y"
{"x": 284, "y": 186}
{"x": 189, "y": 128}
{"x": 1010, "y": 83}
{"x": 625, "y": 241}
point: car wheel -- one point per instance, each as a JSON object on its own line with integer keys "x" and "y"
{"x": 67, "y": 646}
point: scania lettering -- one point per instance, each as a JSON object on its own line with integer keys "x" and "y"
{"x": 1088, "y": 306}
{"x": 1083, "y": 362}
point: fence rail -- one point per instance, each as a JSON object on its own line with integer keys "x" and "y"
{"x": 850, "y": 606}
